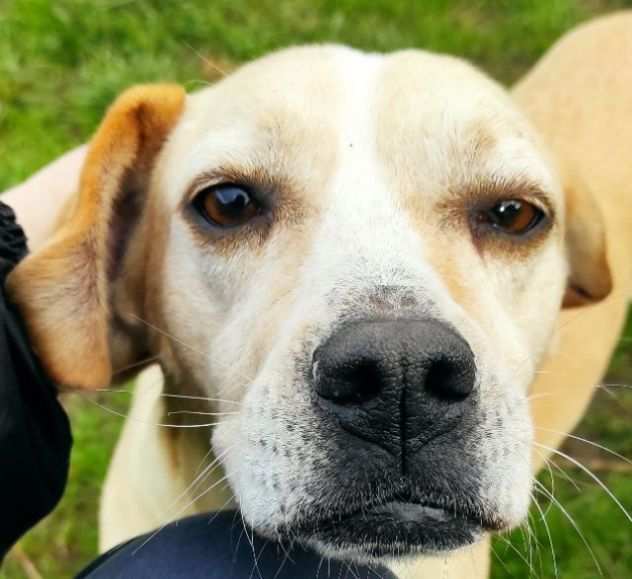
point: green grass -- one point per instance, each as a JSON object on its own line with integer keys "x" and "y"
{"x": 63, "y": 61}
{"x": 604, "y": 527}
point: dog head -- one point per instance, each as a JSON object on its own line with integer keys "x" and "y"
{"x": 368, "y": 253}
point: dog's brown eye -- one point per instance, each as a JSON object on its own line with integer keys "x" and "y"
{"x": 226, "y": 205}
{"x": 513, "y": 216}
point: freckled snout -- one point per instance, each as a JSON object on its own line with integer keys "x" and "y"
{"x": 396, "y": 383}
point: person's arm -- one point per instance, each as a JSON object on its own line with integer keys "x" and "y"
{"x": 39, "y": 200}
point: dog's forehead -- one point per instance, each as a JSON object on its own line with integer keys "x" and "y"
{"x": 425, "y": 119}
{"x": 441, "y": 124}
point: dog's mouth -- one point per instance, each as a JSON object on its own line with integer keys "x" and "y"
{"x": 400, "y": 526}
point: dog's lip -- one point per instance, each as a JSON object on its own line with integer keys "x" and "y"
{"x": 417, "y": 510}
{"x": 413, "y": 512}
{"x": 399, "y": 526}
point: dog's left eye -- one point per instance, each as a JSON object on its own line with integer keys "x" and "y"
{"x": 226, "y": 205}
{"x": 513, "y": 217}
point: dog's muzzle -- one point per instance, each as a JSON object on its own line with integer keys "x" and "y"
{"x": 398, "y": 406}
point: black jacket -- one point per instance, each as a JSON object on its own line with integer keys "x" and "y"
{"x": 35, "y": 437}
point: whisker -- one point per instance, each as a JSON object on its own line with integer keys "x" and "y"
{"x": 547, "y": 462}
{"x": 603, "y": 387}
{"x": 572, "y": 521}
{"x": 256, "y": 563}
{"x": 220, "y": 510}
{"x": 204, "y": 474}
{"x": 592, "y": 475}
{"x": 251, "y": 541}
{"x": 444, "y": 574}
{"x": 196, "y": 412}
{"x": 161, "y": 424}
{"x": 205, "y": 60}
{"x": 163, "y": 394}
{"x": 525, "y": 533}
{"x": 520, "y": 554}
{"x": 167, "y": 334}
{"x": 566, "y": 476}
{"x": 188, "y": 397}
{"x": 136, "y": 364}
{"x": 179, "y": 513}
{"x": 548, "y": 532}
{"x": 241, "y": 534}
{"x": 533, "y": 540}
{"x": 614, "y": 385}
{"x": 540, "y": 395}
{"x": 287, "y": 557}
{"x": 589, "y": 442}
{"x": 200, "y": 467}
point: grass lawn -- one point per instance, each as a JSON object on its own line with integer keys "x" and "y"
{"x": 63, "y": 61}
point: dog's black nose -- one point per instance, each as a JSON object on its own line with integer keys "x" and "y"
{"x": 395, "y": 382}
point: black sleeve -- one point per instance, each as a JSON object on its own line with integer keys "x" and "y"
{"x": 35, "y": 435}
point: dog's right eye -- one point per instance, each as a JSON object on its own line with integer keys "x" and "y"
{"x": 226, "y": 205}
{"x": 513, "y": 217}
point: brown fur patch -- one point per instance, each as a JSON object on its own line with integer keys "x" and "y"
{"x": 63, "y": 290}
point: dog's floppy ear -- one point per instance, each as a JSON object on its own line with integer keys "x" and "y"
{"x": 589, "y": 278}
{"x": 63, "y": 290}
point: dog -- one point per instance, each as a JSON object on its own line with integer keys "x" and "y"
{"x": 390, "y": 283}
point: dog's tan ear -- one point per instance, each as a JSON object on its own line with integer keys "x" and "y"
{"x": 589, "y": 277}
{"x": 63, "y": 290}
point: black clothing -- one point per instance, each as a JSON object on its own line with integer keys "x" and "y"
{"x": 216, "y": 546}
{"x": 35, "y": 437}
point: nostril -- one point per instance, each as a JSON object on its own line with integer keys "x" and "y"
{"x": 363, "y": 379}
{"x": 450, "y": 380}
{"x": 352, "y": 382}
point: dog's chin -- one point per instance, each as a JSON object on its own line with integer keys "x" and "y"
{"x": 395, "y": 529}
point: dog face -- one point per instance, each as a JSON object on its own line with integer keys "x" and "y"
{"x": 366, "y": 252}
{"x": 379, "y": 330}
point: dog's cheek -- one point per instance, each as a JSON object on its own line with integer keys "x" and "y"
{"x": 543, "y": 276}
{"x": 273, "y": 452}
{"x": 252, "y": 454}
{"x": 505, "y": 450}
{"x": 241, "y": 465}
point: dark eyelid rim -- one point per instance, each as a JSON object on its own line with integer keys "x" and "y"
{"x": 213, "y": 179}
{"x": 489, "y": 193}
{"x": 540, "y": 204}
{"x": 485, "y": 193}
